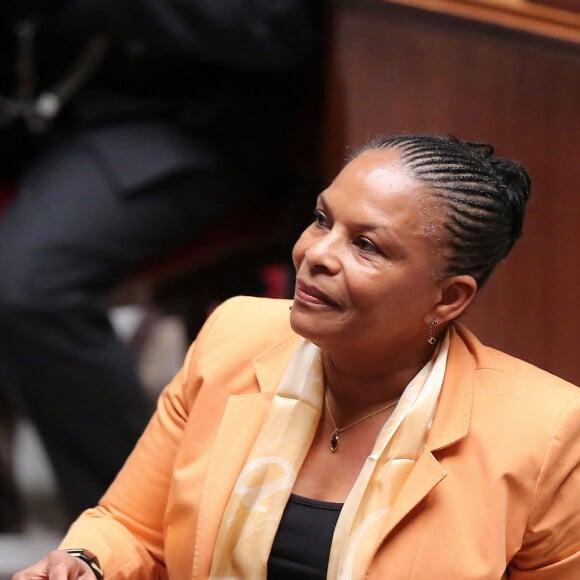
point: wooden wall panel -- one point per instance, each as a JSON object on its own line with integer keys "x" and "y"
{"x": 393, "y": 69}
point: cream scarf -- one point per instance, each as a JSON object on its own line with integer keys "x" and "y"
{"x": 255, "y": 507}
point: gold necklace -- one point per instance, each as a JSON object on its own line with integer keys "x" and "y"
{"x": 335, "y": 437}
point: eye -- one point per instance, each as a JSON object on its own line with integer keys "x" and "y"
{"x": 320, "y": 218}
{"x": 365, "y": 245}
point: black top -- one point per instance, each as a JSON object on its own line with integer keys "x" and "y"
{"x": 301, "y": 547}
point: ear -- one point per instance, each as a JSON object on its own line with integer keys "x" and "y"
{"x": 456, "y": 294}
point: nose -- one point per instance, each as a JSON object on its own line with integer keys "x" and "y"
{"x": 323, "y": 254}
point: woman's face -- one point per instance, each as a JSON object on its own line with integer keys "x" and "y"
{"x": 366, "y": 267}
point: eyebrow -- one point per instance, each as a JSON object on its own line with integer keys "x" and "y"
{"x": 361, "y": 226}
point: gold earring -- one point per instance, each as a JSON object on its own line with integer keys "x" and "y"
{"x": 432, "y": 338}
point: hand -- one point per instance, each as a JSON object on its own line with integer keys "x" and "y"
{"x": 57, "y": 565}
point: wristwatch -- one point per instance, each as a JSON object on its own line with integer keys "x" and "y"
{"x": 90, "y": 559}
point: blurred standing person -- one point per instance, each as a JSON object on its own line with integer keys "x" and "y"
{"x": 126, "y": 128}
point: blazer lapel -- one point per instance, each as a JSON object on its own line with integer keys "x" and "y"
{"x": 453, "y": 415}
{"x": 239, "y": 427}
{"x": 426, "y": 474}
{"x": 244, "y": 414}
{"x": 450, "y": 425}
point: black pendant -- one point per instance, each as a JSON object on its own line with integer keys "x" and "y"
{"x": 334, "y": 441}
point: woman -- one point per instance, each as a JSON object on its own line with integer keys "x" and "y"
{"x": 365, "y": 433}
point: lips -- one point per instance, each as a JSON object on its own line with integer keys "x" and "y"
{"x": 312, "y": 295}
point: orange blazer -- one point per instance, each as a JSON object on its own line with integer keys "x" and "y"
{"x": 495, "y": 494}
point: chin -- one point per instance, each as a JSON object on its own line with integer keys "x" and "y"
{"x": 305, "y": 326}
{"x": 300, "y": 322}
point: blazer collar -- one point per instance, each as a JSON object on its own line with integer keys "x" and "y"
{"x": 239, "y": 427}
{"x": 453, "y": 415}
{"x": 450, "y": 425}
{"x": 271, "y": 364}
{"x": 451, "y": 421}
{"x": 244, "y": 414}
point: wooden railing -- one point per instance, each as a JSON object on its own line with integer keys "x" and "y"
{"x": 558, "y": 19}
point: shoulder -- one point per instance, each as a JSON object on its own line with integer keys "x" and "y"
{"x": 520, "y": 441}
{"x": 249, "y": 319}
{"x": 496, "y": 369}
{"x": 526, "y": 417}
{"x": 243, "y": 327}
{"x": 511, "y": 400}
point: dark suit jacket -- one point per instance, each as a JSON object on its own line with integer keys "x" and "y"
{"x": 183, "y": 86}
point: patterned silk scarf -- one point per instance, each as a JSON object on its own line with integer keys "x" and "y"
{"x": 255, "y": 507}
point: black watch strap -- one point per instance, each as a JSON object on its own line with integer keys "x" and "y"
{"x": 90, "y": 559}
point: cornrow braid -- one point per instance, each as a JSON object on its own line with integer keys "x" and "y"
{"x": 486, "y": 196}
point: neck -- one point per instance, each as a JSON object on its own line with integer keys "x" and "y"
{"x": 384, "y": 365}
{"x": 368, "y": 418}
{"x": 360, "y": 391}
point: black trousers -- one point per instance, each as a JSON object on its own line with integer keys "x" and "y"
{"x": 69, "y": 237}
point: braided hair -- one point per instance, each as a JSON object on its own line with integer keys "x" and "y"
{"x": 485, "y": 196}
